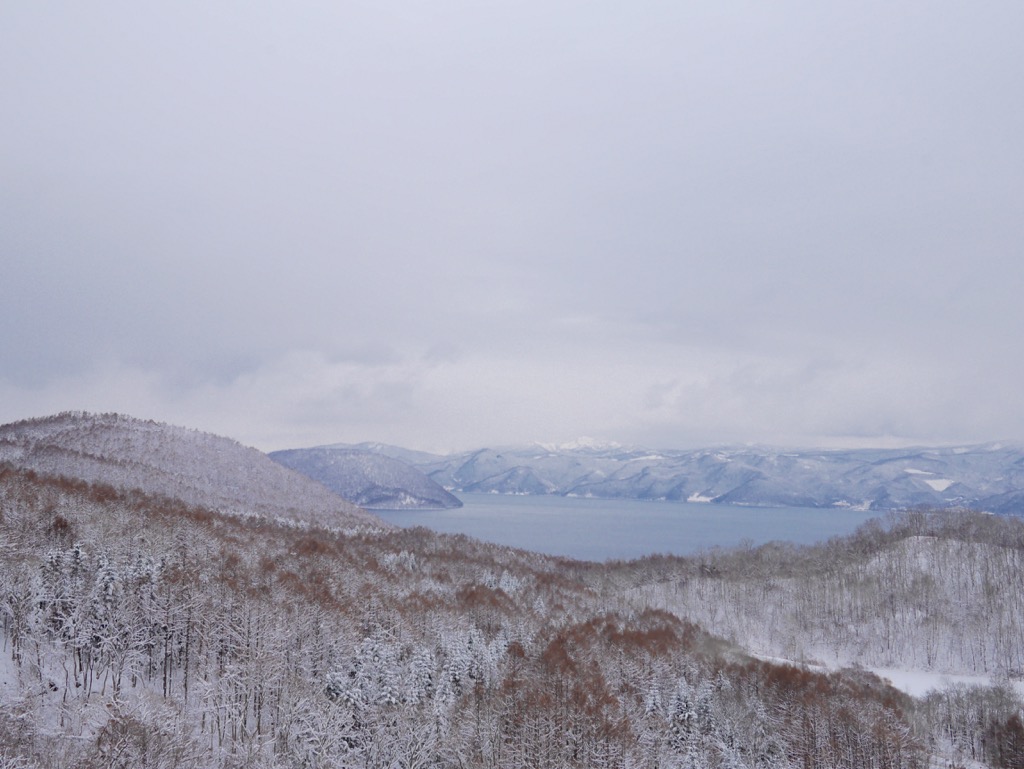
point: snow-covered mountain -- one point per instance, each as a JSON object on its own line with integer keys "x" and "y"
{"x": 194, "y": 467}
{"x": 372, "y": 480}
{"x": 988, "y": 477}
{"x": 140, "y": 631}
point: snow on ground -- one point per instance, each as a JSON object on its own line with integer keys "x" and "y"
{"x": 938, "y": 484}
{"x": 783, "y": 661}
{"x": 8, "y": 675}
{"x": 917, "y": 683}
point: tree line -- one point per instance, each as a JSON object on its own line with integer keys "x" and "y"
{"x": 141, "y": 632}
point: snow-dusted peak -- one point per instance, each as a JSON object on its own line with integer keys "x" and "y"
{"x": 583, "y": 443}
{"x": 875, "y": 479}
{"x": 195, "y": 467}
{"x": 371, "y": 479}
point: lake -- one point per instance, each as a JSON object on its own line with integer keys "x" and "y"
{"x": 600, "y": 529}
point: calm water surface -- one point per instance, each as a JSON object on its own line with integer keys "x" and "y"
{"x": 599, "y": 529}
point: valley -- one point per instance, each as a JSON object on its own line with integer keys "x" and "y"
{"x": 141, "y": 628}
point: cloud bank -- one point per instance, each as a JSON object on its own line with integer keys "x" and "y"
{"x": 457, "y": 224}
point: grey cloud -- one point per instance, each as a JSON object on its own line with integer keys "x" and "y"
{"x": 201, "y": 194}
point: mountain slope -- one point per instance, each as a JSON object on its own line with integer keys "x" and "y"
{"x": 138, "y": 632}
{"x": 940, "y": 591}
{"x": 988, "y": 477}
{"x": 371, "y": 480}
{"x": 194, "y": 467}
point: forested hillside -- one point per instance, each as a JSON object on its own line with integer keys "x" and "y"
{"x": 983, "y": 477}
{"x": 140, "y": 629}
{"x": 933, "y": 591}
{"x": 196, "y": 467}
{"x": 371, "y": 480}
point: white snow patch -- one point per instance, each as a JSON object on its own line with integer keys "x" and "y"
{"x": 918, "y": 683}
{"x": 912, "y": 471}
{"x": 698, "y": 497}
{"x": 795, "y": 663}
{"x": 8, "y": 676}
{"x": 848, "y": 505}
{"x": 939, "y": 484}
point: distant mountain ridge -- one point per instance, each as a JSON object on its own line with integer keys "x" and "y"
{"x": 987, "y": 477}
{"x": 192, "y": 466}
{"x": 372, "y": 480}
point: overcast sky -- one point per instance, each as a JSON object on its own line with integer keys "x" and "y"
{"x": 448, "y": 224}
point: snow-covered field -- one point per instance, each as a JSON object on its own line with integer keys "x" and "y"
{"x": 917, "y": 683}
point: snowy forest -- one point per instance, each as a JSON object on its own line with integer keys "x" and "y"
{"x": 139, "y": 630}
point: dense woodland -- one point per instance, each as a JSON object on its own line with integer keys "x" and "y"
{"x": 138, "y": 631}
{"x": 930, "y": 591}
